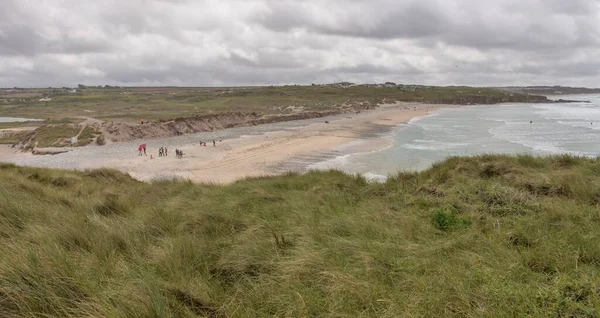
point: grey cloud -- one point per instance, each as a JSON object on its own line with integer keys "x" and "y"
{"x": 388, "y": 19}
{"x": 253, "y": 42}
{"x": 19, "y": 40}
{"x": 238, "y": 59}
{"x": 478, "y": 24}
{"x": 374, "y": 69}
{"x": 574, "y": 7}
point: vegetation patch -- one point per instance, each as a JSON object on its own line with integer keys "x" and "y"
{"x": 448, "y": 220}
{"x": 162, "y": 103}
{"x": 55, "y": 135}
{"x": 447, "y": 242}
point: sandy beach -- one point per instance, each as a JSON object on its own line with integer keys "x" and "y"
{"x": 275, "y": 151}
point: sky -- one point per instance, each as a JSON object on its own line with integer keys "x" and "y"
{"x": 274, "y": 42}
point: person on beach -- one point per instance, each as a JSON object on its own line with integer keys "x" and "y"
{"x": 141, "y": 148}
{"x": 166, "y": 151}
{"x": 160, "y": 151}
{"x": 214, "y": 143}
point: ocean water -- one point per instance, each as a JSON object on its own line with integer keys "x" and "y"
{"x": 538, "y": 129}
{"x": 17, "y": 120}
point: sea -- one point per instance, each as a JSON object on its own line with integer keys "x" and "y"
{"x": 537, "y": 129}
{"x": 17, "y": 120}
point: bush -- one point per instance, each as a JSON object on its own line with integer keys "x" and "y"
{"x": 100, "y": 141}
{"x": 445, "y": 221}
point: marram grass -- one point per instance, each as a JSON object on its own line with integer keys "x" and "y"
{"x": 490, "y": 236}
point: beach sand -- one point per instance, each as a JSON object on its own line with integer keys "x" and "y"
{"x": 265, "y": 154}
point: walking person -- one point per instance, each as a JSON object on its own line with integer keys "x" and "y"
{"x": 166, "y": 151}
{"x": 141, "y": 148}
{"x": 214, "y": 143}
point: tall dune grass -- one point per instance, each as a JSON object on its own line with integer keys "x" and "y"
{"x": 490, "y": 236}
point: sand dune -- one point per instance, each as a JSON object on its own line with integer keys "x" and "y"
{"x": 263, "y": 154}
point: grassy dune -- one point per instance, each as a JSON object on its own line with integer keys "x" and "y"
{"x": 489, "y": 236}
{"x": 157, "y": 103}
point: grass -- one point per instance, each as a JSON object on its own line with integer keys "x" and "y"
{"x": 162, "y": 103}
{"x": 13, "y": 137}
{"x": 29, "y": 124}
{"x": 86, "y": 137}
{"x": 490, "y": 236}
{"x": 55, "y": 136}
{"x": 60, "y": 136}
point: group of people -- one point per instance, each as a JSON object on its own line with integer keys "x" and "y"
{"x": 202, "y": 143}
{"x": 163, "y": 151}
{"x": 178, "y": 153}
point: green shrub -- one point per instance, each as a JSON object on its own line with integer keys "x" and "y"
{"x": 448, "y": 220}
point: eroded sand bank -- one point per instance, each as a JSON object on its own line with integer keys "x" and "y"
{"x": 247, "y": 155}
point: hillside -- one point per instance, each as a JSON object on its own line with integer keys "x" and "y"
{"x": 114, "y": 114}
{"x": 488, "y": 236}
{"x": 130, "y": 104}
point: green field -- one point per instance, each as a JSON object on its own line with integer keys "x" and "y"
{"x": 490, "y": 236}
{"x": 133, "y": 104}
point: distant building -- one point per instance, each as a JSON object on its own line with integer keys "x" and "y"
{"x": 341, "y": 84}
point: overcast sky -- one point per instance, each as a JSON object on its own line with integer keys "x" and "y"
{"x": 254, "y": 42}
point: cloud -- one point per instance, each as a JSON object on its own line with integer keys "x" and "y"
{"x": 255, "y": 42}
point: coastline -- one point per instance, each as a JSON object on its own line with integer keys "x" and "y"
{"x": 287, "y": 147}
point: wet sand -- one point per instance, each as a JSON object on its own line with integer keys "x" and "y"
{"x": 243, "y": 152}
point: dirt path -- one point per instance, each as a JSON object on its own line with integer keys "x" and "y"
{"x": 89, "y": 121}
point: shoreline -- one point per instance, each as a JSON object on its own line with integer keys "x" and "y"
{"x": 250, "y": 152}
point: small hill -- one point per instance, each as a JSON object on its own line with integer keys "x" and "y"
{"x": 490, "y": 236}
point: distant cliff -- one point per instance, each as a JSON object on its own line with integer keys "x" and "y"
{"x": 551, "y": 90}
{"x": 484, "y": 99}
